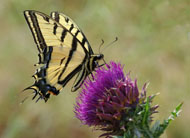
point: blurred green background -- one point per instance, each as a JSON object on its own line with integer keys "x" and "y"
{"x": 154, "y": 44}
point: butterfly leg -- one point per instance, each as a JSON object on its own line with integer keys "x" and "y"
{"x": 101, "y": 65}
{"x": 40, "y": 97}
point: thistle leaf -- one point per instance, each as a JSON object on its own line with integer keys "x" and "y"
{"x": 158, "y": 128}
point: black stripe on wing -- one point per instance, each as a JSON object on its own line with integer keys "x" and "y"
{"x": 71, "y": 28}
{"x": 79, "y": 79}
{"x": 69, "y": 22}
{"x": 71, "y": 52}
{"x": 35, "y": 29}
{"x": 56, "y": 16}
{"x": 55, "y": 27}
{"x": 70, "y": 76}
{"x": 64, "y": 33}
{"x": 41, "y": 87}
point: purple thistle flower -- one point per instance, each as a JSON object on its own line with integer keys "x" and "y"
{"x": 108, "y": 100}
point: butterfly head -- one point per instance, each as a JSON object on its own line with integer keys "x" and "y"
{"x": 94, "y": 61}
{"x": 99, "y": 57}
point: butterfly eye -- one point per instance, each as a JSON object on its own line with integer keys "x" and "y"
{"x": 101, "y": 56}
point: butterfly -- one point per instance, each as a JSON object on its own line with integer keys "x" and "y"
{"x": 64, "y": 52}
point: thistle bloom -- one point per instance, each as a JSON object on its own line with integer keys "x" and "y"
{"x": 109, "y": 101}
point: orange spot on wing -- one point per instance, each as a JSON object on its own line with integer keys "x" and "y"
{"x": 51, "y": 92}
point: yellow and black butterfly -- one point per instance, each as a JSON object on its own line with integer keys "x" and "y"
{"x": 64, "y": 52}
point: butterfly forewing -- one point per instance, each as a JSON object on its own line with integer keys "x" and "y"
{"x": 63, "y": 52}
{"x": 48, "y": 32}
{"x": 74, "y": 29}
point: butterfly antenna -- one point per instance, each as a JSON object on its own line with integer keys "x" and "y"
{"x": 100, "y": 51}
{"x": 106, "y": 47}
{"x": 101, "y": 46}
{"x": 110, "y": 43}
